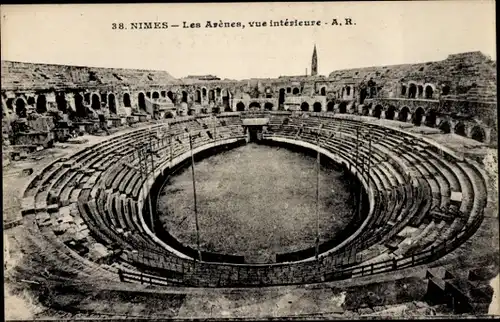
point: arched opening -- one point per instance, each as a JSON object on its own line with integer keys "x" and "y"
{"x": 112, "y": 103}
{"x": 445, "y": 127}
{"x": 169, "y": 115}
{"x": 362, "y": 95}
{"x": 412, "y": 91}
{"x": 296, "y": 91}
{"x": 343, "y": 108}
{"x": 96, "y": 102}
{"x": 126, "y": 100}
{"x": 304, "y": 107}
{"x": 10, "y": 104}
{"x": 62, "y": 104}
{"x": 417, "y": 117}
{"x": 184, "y": 97}
{"x": 323, "y": 91}
{"x": 317, "y": 107}
{"x": 217, "y": 92}
{"x": 478, "y": 134}
{"x": 81, "y": 111}
{"x": 366, "y": 110}
{"x": 170, "y": 95}
{"x": 403, "y": 114}
{"x": 445, "y": 90}
{"x": 348, "y": 91}
{"x": 403, "y": 90}
{"x": 141, "y": 101}
{"x": 211, "y": 95}
{"x": 86, "y": 98}
{"x": 148, "y": 94}
{"x": 420, "y": 90}
{"x": 389, "y": 114}
{"x": 156, "y": 95}
{"x": 240, "y": 107}
{"x": 330, "y": 106}
{"x": 281, "y": 98}
{"x": 460, "y": 129}
{"x": 163, "y": 94}
{"x": 21, "y": 108}
{"x": 204, "y": 93}
{"x": 430, "y": 118}
{"x": 31, "y": 101}
{"x": 428, "y": 92}
{"x": 41, "y": 104}
{"x": 197, "y": 96}
{"x": 268, "y": 106}
{"x": 254, "y": 106}
{"x": 377, "y": 112}
{"x": 225, "y": 100}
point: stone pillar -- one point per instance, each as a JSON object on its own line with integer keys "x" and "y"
{"x": 396, "y": 115}
{"x": 382, "y": 115}
{"x": 422, "y": 121}
{"x": 487, "y": 136}
{"x": 408, "y": 119}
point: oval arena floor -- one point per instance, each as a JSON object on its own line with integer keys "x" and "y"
{"x": 255, "y": 200}
{"x": 85, "y": 220}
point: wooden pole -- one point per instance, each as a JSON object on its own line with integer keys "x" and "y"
{"x": 194, "y": 196}
{"x": 152, "y": 171}
{"x": 318, "y": 165}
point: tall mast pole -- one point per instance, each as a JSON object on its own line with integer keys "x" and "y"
{"x": 152, "y": 171}
{"x": 318, "y": 164}
{"x": 357, "y": 165}
{"x": 194, "y": 196}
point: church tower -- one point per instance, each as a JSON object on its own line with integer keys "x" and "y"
{"x": 314, "y": 63}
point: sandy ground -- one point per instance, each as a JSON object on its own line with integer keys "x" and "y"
{"x": 255, "y": 201}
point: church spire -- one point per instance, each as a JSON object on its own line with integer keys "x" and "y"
{"x": 314, "y": 64}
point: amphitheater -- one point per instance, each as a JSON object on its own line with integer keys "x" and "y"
{"x": 88, "y": 151}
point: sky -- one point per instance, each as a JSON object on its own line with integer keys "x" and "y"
{"x": 385, "y": 33}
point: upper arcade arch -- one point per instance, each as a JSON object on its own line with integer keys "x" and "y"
{"x": 126, "y": 100}
{"x": 141, "y": 100}
{"x": 412, "y": 91}
{"x": 81, "y": 111}
{"x": 254, "y": 106}
{"x": 41, "y": 104}
{"x": 112, "y": 103}
{"x": 21, "y": 110}
{"x": 240, "y": 107}
{"x": 429, "y": 91}
{"x": 62, "y": 104}
{"x": 343, "y": 108}
{"x": 96, "y": 102}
